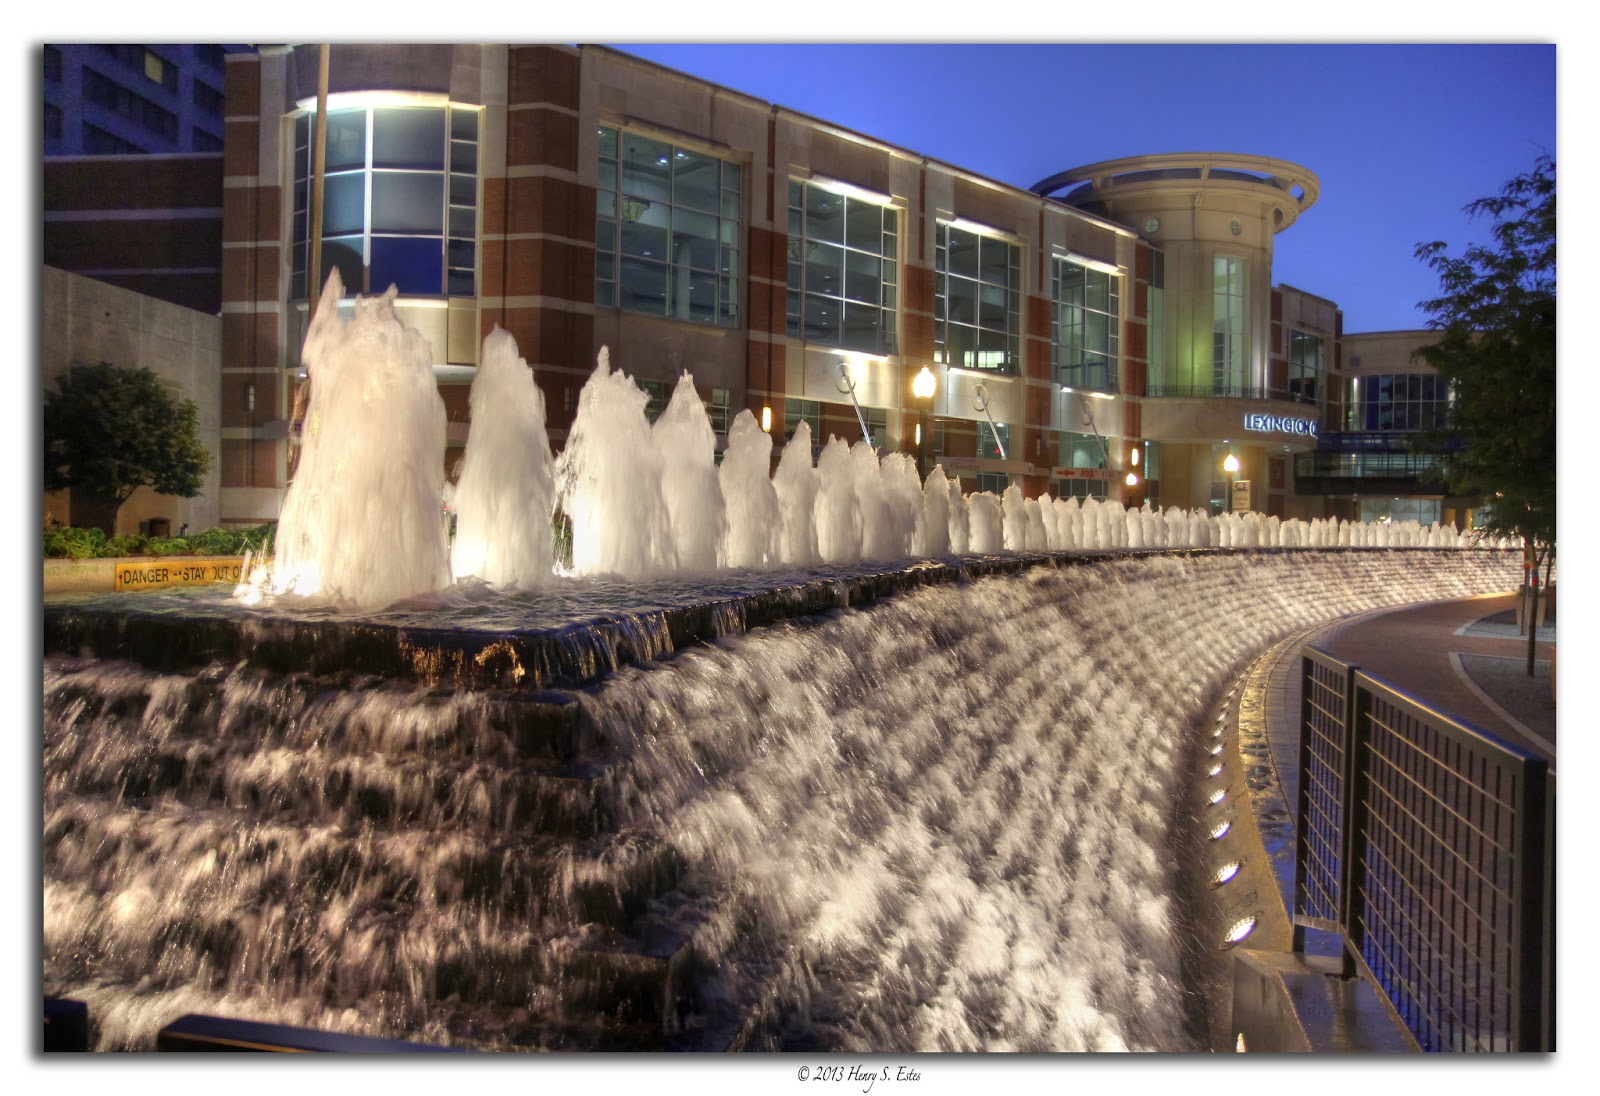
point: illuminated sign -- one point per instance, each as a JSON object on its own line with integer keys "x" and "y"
{"x": 179, "y": 572}
{"x": 1268, "y": 424}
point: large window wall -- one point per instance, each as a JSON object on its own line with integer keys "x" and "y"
{"x": 667, "y": 230}
{"x": 1397, "y": 401}
{"x": 1306, "y": 364}
{"x": 1227, "y": 324}
{"x": 400, "y": 200}
{"x": 977, "y": 302}
{"x": 844, "y": 255}
{"x": 1085, "y": 322}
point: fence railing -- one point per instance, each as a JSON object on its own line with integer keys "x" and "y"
{"x": 1429, "y": 847}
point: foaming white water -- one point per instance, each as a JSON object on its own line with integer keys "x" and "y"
{"x": 688, "y": 451}
{"x": 956, "y": 813}
{"x": 506, "y": 492}
{"x": 748, "y": 494}
{"x": 371, "y": 471}
{"x": 986, "y": 530}
{"x": 936, "y": 510}
{"x": 795, "y": 482}
{"x": 945, "y": 822}
{"x": 610, "y": 482}
{"x": 838, "y": 513}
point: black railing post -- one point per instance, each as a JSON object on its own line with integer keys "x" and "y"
{"x": 1528, "y": 915}
{"x": 1356, "y": 706}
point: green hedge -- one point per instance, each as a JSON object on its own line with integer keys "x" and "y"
{"x": 67, "y": 542}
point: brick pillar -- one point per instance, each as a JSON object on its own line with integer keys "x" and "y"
{"x": 253, "y": 383}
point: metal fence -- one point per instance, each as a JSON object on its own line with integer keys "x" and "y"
{"x": 1429, "y": 847}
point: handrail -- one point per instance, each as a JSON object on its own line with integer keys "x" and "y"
{"x": 1428, "y": 846}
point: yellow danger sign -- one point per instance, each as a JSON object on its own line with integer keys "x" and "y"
{"x": 152, "y": 576}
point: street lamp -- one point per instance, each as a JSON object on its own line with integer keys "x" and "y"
{"x": 922, "y": 387}
{"x": 1230, "y": 465}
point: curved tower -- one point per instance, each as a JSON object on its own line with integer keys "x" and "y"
{"x": 1218, "y": 378}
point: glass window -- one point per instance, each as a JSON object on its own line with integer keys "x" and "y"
{"x": 1157, "y": 353}
{"x": 656, "y": 391}
{"x": 1085, "y": 323}
{"x": 842, "y": 270}
{"x": 807, "y": 411}
{"x": 667, "y": 230}
{"x": 1305, "y": 367}
{"x": 1227, "y": 324}
{"x": 717, "y": 410}
{"x": 994, "y": 482}
{"x": 992, "y": 439}
{"x": 404, "y": 213}
{"x": 978, "y": 296}
{"x": 1080, "y": 451}
{"x": 877, "y": 426}
{"x": 1081, "y": 488}
{"x": 1397, "y": 401}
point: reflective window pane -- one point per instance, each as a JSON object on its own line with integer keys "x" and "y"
{"x": 345, "y": 254}
{"x": 407, "y": 202}
{"x": 824, "y": 215}
{"x": 646, "y": 171}
{"x": 862, "y": 282}
{"x": 346, "y": 141}
{"x": 863, "y": 226}
{"x": 404, "y": 137}
{"x": 643, "y": 286}
{"x": 962, "y": 253}
{"x": 695, "y": 181}
{"x": 411, "y": 264}
{"x": 824, "y": 270}
{"x": 344, "y": 204}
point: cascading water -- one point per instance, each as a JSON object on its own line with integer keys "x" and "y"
{"x": 944, "y": 822}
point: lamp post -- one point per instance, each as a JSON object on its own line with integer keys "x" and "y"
{"x": 1230, "y": 465}
{"x": 922, "y": 387}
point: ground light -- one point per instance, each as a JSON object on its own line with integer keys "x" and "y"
{"x": 1220, "y": 830}
{"x": 1218, "y": 796}
{"x": 1226, "y": 873}
{"x": 1239, "y": 930}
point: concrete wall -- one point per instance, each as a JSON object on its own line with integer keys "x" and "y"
{"x": 86, "y": 322}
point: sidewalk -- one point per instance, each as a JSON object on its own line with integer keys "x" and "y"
{"x": 1462, "y": 657}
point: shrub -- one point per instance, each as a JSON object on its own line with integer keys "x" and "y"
{"x": 167, "y": 546}
{"x": 259, "y": 540}
{"x": 217, "y": 542}
{"x": 68, "y": 542}
{"x": 129, "y": 544}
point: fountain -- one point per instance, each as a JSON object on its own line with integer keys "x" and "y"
{"x": 888, "y": 769}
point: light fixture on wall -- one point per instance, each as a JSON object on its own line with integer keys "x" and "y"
{"x": 766, "y": 417}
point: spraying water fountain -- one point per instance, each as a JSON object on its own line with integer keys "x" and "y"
{"x": 816, "y": 758}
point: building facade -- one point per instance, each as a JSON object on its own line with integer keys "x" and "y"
{"x": 126, "y": 99}
{"x": 1112, "y": 332}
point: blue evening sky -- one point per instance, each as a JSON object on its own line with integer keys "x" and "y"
{"x": 1401, "y": 136}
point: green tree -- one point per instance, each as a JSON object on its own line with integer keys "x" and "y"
{"x": 109, "y": 431}
{"x": 1496, "y": 319}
